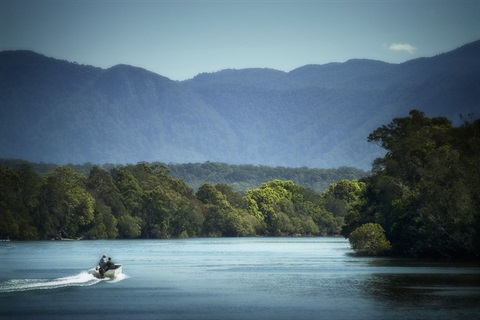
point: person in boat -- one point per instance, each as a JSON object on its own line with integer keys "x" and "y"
{"x": 109, "y": 264}
{"x": 102, "y": 264}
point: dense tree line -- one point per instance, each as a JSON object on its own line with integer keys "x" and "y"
{"x": 239, "y": 177}
{"x": 145, "y": 201}
{"x": 425, "y": 193}
{"x": 245, "y": 177}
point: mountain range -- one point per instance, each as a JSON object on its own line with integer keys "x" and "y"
{"x": 316, "y": 116}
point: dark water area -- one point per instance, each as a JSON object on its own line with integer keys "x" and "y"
{"x": 234, "y": 278}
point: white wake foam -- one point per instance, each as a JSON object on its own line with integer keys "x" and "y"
{"x": 80, "y": 280}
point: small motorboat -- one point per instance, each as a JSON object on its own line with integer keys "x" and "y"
{"x": 112, "y": 271}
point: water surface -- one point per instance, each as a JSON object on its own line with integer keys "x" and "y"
{"x": 233, "y": 278}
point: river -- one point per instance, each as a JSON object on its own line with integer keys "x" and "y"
{"x": 230, "y": 278}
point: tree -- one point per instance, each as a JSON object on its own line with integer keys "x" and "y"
{"x": 129, "y": 227}
{"x": 218, "y": 213}
{"x": 289, "y": 209}
{"x": 159, "y": 206}
{"x": 341, "y": 196}
{"x": 369, "y": 239}
{"x": 67, "y": 205}
{"x": 221, "y": 217}
{"x": 208, "y": 194}
{"x": 188, "y": 220}
{"x": 342, "y": 199}
{"x": 129, "y": 189}
{"x": 235, "y": 199}
{"x": 104, "y": 224}
{"x": 239, "y": 223}
{"x": 19, "y": 195}
{"x": 102, "y": 187}
{"x": 424, "y": 192}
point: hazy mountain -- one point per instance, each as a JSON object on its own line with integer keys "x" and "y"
{"x": 316, "y": 116}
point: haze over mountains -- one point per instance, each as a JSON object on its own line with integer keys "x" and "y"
{"x": 315, "y": 116}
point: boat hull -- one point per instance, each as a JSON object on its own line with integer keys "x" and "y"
{"x": 112, "y": 272}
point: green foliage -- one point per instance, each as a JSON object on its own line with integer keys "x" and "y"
{"x": 341, "y": 195}
{"x": 208, "y": 194}
{"x": 224, "y": 212}
{"x": 129, "y": 227}
{"x": 102, "y": 186}
{"x": 104, "y": 225}
{"x": 289, "y": 209}
{"x": 129, "y": 189}
{"x": 341, "y": 198}
{"x": 425, "y": 191}
{"x": 145, "y": 201}
{"x": 19, "y": 196}
{"x": 65, "y": 201}
{"x": 9, "y": 226}
{"x": 246, "y": 177}
{"x": 239, "y": 178}
{"x": 369, "y": 239}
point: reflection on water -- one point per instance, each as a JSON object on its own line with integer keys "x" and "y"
{"x": 462, "y": 290}
{"x": 425, "y": 284}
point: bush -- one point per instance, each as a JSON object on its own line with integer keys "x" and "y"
{"x": 369, "y": 239}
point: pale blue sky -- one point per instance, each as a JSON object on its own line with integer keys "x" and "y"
{"x": 179, "y": 39}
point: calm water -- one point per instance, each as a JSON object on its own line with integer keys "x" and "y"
{"x": 240, "y": 278}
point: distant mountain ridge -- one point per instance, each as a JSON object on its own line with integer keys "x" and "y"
{"x": 316, "y": 116}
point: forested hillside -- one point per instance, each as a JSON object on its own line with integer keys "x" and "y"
{"x": 422, "y": 199}
{"x": 317, "y": 116}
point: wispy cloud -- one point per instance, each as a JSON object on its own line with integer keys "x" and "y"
{"x": 405, "y": 47}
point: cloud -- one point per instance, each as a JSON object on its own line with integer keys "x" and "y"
{"x": 402, "y": 47}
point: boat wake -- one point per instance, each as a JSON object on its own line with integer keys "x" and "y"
{"x": 83, "y": 279}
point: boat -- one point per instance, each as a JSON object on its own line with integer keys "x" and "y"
{"x": 112, "y": 272}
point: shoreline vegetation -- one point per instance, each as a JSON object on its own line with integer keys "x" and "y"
{"x": 422, "y": 199}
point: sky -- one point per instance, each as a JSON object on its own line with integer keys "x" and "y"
{"x": 180, "y": 39}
